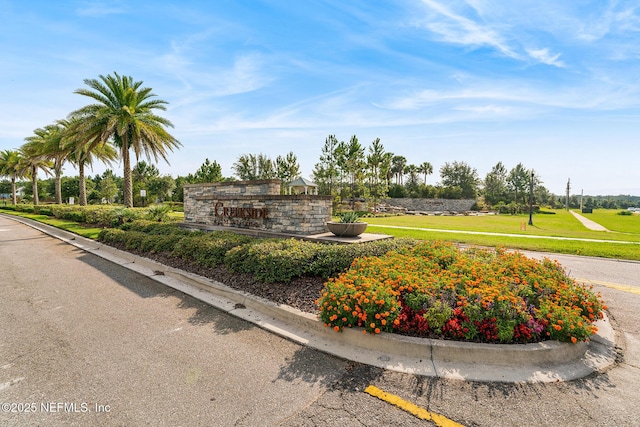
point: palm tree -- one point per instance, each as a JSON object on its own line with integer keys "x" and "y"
{"x": 51, "y": 149}
{"x": 80, "y": 153}
{"x": 398, "y": 163}
{"x": 34, "y": 158}
{"x": 9, "y": 166}
{"x": 425, "y": 168}
{"x": 124, "y": 114}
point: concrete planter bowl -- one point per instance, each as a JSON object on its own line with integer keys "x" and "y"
{"x": 347, "y": 229}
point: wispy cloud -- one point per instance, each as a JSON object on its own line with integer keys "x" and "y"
{"x": 456, "y": 28}
{"x": 483, "y": 24}
{"x": 614, "y": 19}
{"x": 100, "y": 8}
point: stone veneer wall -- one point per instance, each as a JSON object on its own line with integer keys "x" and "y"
{"x": 256, "y": 205}
{"x": 432, "y": 205}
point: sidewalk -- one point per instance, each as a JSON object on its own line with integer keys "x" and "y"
{"x": 591, "y": 225}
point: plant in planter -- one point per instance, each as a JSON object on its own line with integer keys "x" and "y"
{"x": 348, "y": 225}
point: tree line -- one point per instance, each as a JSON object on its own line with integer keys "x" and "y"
{"x": 122, "y": 118}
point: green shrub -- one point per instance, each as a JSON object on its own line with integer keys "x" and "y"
{"x": 123, "y": 215}
{"x": 155, "y": 243}
{"x": 331, "y": 260}
{"x": 153, "y": 227}
{"x": 625, "y": 213}
{"x": 43, "y": 210}
{"x": 273, "y": 260}
{"x": 133, "y": 240}
{"x": 282, "y": 260}
{"x": 158, "y": 213}
{"x": 237, "y": 259}
{"x": 27, "y": 208}
{"x": 112, "y": 235}
{"x": 208, "y": 249}
{"x": 438, "y": 314}
{"x": 71, "y": 213}
{"x": 105, "y": 216}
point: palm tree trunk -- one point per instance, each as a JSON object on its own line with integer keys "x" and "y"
{"x": 14, "y": 199}
{"x": 82, "y": 185}
{"x": 127, "y": 185}
{"x": 58, "y": 187}
{"x": 34, "y": 185}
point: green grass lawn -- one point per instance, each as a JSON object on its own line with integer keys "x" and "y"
{"x": 562, "y": 224}
{"x": 598, "y": 249}
{"x": 72, "y": 226}
{"x": 609, "y": 218}
{"x": 176, "y": 216}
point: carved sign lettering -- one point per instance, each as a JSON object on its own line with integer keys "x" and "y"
{"x": 222, "y": 211}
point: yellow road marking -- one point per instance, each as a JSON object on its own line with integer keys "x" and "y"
{"x": 624, "y": 288}
{"x": 423, "y": 414}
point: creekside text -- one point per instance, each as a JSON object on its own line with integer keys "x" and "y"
{"x": 234, "y": 212}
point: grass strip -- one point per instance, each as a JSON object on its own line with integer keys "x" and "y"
{"x": 63, "y": 224}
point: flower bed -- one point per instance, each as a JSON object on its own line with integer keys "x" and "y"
{"x": 436, "y": 290}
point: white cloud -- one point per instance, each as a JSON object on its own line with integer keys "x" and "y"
{"x": 545, "y": 57}
{"x": 458, "y": 29}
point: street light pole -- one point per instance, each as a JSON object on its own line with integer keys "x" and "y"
{"x": 531, "y": 199}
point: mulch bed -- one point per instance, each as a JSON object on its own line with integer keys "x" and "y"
{"x": 300, "y": 293}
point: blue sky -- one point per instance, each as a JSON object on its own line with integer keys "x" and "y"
{"x": 554, "y": 85}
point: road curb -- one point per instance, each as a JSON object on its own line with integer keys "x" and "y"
{"x": 549, "y": 361}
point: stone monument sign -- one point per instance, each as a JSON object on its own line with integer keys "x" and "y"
{"x": 256, "y": 205}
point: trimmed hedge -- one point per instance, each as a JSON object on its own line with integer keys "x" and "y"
{"x": 331, "y": 260}
{"x": 138, "y": 240}
{"x": 208, "y": 249}
{"x": 282, "y": 260}
{"x": 154, "y": 227}
{"x": 269, "y": 260}
{"x": 104, "y": 216}
{"x": 272, "y": 260}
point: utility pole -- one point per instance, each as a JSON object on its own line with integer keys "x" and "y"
{"x": 531, "y": 199}
{"x": 568, "y": 189}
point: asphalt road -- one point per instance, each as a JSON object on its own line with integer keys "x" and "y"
{"x": 86, "y": 342}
